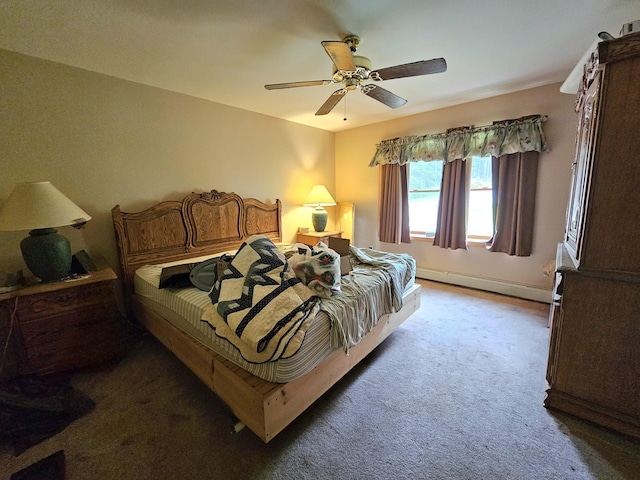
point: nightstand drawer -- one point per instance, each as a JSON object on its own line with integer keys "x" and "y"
{"x": 60, "y": 301}
{"x": 74, "y": 339}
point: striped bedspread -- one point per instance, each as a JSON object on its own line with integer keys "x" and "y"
{"x": 374, "y": 288}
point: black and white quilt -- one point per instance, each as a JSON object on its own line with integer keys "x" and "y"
{"x": 259, "y": 305}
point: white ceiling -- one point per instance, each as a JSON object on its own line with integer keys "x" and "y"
{"x": 226, "y": 50}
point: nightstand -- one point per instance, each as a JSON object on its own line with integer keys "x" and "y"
{"x": 61, "y": 325}
{"x": 312, "y": 238}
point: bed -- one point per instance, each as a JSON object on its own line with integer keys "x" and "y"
{"x": 266, "y": 396}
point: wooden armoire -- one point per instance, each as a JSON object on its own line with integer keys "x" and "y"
{"x": 594, "y": 354}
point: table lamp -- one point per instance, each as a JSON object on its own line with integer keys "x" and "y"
{"x": 40, "y": 207}
{"x": 319, "y": 197}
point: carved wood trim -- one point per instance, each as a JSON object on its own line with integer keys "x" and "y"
{"x": 263, "y": 218}
{"x": 591, "y": 69}
{"x": 213, "y": 218}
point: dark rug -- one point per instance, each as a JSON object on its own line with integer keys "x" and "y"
{"x": 33, "y": 409}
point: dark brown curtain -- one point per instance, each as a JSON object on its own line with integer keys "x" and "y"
{"x": 514, "y": 194}
{"x": 394, "y": 204}
{"x": 405, "y": 232}
{"x": 451, "y": 229}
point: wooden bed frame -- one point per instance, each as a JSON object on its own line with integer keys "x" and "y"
{"x": 209, "y": 223}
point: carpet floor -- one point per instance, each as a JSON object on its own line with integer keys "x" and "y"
{"x": 455, "y": 393}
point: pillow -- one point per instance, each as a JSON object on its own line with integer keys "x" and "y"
{"x": 201, "y": 275}
{"x": 205, "y": 274}
{"x": 318, "y": 268}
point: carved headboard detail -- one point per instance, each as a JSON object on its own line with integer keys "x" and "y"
{"x": 201, "y": 224}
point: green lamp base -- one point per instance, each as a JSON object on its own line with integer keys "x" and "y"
{"x": 319, "y": 219}
{"x": 47, "y": 254}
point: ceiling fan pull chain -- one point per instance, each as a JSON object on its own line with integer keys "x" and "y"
{"x": 345, "y": 108}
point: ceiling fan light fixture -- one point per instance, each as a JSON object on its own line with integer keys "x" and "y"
{"x": 362, "y": 62}
{"x": 351, "y": 83}
{"x": 362, "y": 71}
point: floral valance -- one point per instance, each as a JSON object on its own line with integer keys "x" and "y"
{"x": 501, "y": 138}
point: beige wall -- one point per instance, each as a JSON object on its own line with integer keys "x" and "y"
{"x": 358, "y": 183}
{"x": 104, "y": 141}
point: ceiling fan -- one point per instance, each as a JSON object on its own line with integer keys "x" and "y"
{"x": 352, "y": 70}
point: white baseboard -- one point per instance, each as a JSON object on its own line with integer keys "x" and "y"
{"x": 505, "y": 288}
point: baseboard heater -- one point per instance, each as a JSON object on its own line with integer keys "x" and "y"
{"x": 496, "y": 286}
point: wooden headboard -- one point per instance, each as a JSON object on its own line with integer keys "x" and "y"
{"x": 201, "y": 224}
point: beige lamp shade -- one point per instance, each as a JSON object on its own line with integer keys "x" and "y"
{"x": 319, "y": 196}
{"x": 37, "y": 205}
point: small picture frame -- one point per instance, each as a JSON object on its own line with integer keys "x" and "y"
{"x": 81, "y": 263}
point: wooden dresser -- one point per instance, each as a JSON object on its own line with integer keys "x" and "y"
{"x": 56, "y": 326}
{"x": 594, "y": 355}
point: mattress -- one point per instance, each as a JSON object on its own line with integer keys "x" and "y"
{"x": 183, "y": 308}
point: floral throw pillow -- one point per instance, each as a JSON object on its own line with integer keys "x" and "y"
{"x": 318, "y": 268}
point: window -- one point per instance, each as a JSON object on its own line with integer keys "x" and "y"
{"x": 424, "y": 194}
{"x": 480, "y": 208}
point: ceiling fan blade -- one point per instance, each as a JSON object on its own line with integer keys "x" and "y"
{"x": 340, "y": 54}
{"x": 310, "y": 83}
{"x": 331, "y": 102}
{"x": 423, "y": 67}
{"x": 385, "y": 96}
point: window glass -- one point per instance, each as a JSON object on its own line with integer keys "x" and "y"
{"x": 424, "y": 194}
{"x": 480, "y": 213}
